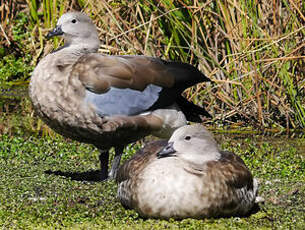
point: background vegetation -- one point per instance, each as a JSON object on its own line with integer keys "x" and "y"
{"x": 253, "y": 51}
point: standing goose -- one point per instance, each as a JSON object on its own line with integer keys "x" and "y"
{"x": 187, "y": 177}
{"x": 109, "y": 101}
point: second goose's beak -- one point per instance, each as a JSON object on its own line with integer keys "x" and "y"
{"x": 167, "y": 151}
{"x": 57, "y": 31}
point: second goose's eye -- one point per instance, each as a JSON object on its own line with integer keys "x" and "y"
{"x": 73, "y": 21}
{"x": 187, "y": 138}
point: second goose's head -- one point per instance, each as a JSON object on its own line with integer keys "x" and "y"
{"x": 191, "y": 143}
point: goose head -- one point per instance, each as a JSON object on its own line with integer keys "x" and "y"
{"x": 191, "y": 143}
{"x": 77, "y": 29}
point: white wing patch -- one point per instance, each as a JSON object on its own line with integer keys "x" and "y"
{"x": 123, "y": 101}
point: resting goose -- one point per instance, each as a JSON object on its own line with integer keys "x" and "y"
{"x": 109, "y": 101}
{"x": 186, "y": 177}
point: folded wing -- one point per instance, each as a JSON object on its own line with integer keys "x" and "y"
{"x": 130, "y": 85}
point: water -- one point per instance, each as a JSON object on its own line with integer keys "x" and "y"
{"x": 283, "y": 140}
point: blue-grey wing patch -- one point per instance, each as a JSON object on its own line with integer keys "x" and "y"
{"x": 123, "y": 101}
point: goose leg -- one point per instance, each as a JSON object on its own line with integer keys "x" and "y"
{"x": 116, "y": 162}
{"x": 104, "y": 159}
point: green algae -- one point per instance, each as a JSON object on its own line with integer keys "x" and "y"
{"x": 31, "y": 198}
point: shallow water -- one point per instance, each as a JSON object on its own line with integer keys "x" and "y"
{"x": 281, "y": 141}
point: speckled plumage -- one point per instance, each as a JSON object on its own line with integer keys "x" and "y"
{"x": 194, "y": 180}
{"x": 66, "y": 84}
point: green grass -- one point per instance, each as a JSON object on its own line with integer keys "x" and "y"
{"x": 33, "y": 199}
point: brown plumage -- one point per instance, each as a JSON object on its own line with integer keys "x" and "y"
{"x": 109, "y": 101}
{"x": 186, "y": 177}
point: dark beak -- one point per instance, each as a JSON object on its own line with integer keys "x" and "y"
{"x": 57, "y": 31}
{"x": 167, "y": 151}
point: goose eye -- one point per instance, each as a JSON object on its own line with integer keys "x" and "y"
{"x": 73, "y": 21}
{"x": 187, "y": 138}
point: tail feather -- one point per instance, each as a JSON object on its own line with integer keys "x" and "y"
{"x": 190, "y": 110}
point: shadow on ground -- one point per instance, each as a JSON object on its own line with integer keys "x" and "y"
{"x": 90, "y": 176}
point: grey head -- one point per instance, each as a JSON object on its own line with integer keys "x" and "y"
{"x": 77, "y": 30}
{"x": 191, "y": 143}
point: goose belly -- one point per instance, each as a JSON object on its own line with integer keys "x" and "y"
{"x": 167, "y": 190}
